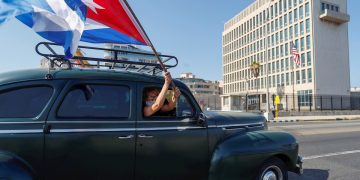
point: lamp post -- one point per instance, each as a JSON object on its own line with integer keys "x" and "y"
{"x": 268, "y": 115}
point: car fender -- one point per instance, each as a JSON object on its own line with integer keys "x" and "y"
{"x": 13, "y": 167}
{"x": 240, "y": 155}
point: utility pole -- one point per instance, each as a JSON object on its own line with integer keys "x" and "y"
{"x": 268, "y": 115}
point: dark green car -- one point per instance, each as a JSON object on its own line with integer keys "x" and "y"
{"x": 88, "y": 124}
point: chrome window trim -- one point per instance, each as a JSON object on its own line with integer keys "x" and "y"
{"x": 25, "y": 131}
{"x": 22, "y": 122}
{"x": 90, "y": 122}
{"x": 123, "y": 129}
{"x": 239, "y": 125}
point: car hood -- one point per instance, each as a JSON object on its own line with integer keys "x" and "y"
{"x": 236, "y": 119}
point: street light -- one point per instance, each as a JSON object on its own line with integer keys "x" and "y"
{"x": 267, "y": 114}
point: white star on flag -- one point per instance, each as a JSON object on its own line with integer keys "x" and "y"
{"x": 92, "y": 5}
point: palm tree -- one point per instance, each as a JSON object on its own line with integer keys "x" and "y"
{"x": 255, "y": 69}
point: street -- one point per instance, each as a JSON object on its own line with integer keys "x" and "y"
{"x": 331, "y": 150}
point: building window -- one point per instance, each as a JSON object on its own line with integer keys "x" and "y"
{"x": 297, "y": 77}
{"x": 295, "y": 2}
{"x": 302, "y": 28}
{"x": 307, "y": 25}
{"x": 282, "y": 80}
{"x": 303, "y": 76}
{"x": 308, "y": 42}
{"x": 296, "y": 30}
{"x": 307, "y": 9}
{"x": 290, "y": 3}
{"x": 278, "y": 80}
{"x": 273, "y": 67}
{"x": 295, "y": 15}
{"x": 309, "y": 72}
{"x": 287, "y": 79}
{"x": 287, "y": 64}
{"x": 277, "y": 66}
{"x": 308, "y": 58}
{"x": 285, "y": 20}
{"x": 301, "y": 12}
{"x": 303, "y": 59}
{"x": 291, "y": 32}
{"x": 226, "y": 101}
{"x": 286, "y": 34}
{"x": 305, "y": 98}
{"x": 290, "y": 17}
{"x": 302, "y": 43}
{"x": 285, "y": 5}
{"x": 274, "y": 81}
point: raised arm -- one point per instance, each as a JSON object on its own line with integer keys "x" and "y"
{"x": 159, "y": 102}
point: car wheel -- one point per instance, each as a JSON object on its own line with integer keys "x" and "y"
{"x": 273, "y": 169}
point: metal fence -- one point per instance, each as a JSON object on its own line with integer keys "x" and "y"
{"x": 301, "y": 103}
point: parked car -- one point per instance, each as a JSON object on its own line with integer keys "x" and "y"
{"x": 88, "y": 124}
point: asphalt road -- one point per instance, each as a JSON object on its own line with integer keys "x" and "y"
{"x": 331, "y": 149}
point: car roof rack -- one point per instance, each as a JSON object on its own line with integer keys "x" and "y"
{"x": 116, "y": 61}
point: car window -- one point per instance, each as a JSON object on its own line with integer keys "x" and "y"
{"x": 27, "y": 102}
{"x": 96, "y": 101}
{"x": 184, "y": 107}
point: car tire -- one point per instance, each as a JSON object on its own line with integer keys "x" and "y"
{"x": 273, "y": 169}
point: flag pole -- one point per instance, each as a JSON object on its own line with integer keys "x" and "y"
{"x": 293, "y": 85}
{"x": 147, "y": 37}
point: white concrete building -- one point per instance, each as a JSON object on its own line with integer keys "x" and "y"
{"x": 264, "y": 33}
{"x": 207, "y": 93}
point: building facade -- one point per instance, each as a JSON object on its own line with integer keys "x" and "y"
{"x": 206, "y": 93}
{"x": 148, "y": 57}
{"x": 265, "y": 33}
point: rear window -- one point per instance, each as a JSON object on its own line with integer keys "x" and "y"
{"x": 27, "y": 102}
{"x": 96, "y": 101}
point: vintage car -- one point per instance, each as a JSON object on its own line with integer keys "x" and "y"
{"x": 88, "y": 124}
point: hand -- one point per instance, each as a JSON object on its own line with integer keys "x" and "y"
{"x": 168, "y": 78}
{"x": 176, "y": 94}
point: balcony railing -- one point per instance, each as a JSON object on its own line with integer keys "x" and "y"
{"x": 333, "y": 16}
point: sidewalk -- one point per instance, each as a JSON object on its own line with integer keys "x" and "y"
{"x": 316, "y": 118}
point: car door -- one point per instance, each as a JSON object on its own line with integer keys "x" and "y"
{"x": 91, "y": 131}
{"x": 172, "y": 147}
{"x": 23, "y": 110}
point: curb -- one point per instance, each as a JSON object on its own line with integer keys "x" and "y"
{"x": 281, "y": 121}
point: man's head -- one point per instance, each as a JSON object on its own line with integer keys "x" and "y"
{"x": 150, "y": 96}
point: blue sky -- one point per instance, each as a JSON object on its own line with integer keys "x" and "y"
{"x": 188, "y": 29}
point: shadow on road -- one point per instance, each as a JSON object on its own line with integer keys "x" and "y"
{"x": 310, "y": 174}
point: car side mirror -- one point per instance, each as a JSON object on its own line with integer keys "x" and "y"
{"x": 201, "y": 120}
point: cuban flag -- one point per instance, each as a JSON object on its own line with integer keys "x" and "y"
{"x": 67, "y": 22}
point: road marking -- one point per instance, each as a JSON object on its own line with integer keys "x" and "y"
{"x": 331, "y": 154}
